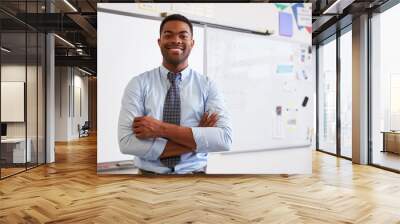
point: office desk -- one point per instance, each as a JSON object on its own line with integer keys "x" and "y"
{"x": 391, "y": 141}
{"x": 13, "y": 150}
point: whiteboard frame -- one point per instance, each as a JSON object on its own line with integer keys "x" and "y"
{"x": 194, "y": 22}
{"x": 205, "y": 26}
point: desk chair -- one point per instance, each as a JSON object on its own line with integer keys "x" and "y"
{"x": 84, "y": 130}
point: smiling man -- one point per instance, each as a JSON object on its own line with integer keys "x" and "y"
{"x": 172, "y": 116}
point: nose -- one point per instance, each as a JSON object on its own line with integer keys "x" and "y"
{"x": 176, "y": 39}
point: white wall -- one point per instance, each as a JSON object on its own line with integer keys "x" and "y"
{"x": 80, "y": 84}
{"x": 68, "y": 81}
{"x": 61, "y": 103}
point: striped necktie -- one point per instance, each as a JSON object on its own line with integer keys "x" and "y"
{"x": 172, "y": 113}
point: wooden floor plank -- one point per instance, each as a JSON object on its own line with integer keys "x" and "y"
{"x": 70, "y": 191}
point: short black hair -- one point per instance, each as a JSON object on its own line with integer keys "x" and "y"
{"x": 178, "y": 17}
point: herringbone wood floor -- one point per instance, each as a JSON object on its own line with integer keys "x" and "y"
{"x": 70, "y": 191}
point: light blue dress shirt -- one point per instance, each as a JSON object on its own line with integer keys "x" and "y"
{"x": 145, "y": 95}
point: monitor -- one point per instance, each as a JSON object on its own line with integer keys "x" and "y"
{"x": 3, "y": 129}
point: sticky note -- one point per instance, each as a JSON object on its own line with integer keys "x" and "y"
{"x": 285, "y": 24}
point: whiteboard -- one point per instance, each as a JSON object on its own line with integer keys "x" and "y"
{"x": 264, "y": 81}
{"x": 244, "y": 66}
{"x": 123, "y": 54}
{"x": 12, "y": 101}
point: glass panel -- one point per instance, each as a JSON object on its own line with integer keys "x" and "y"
{"x": 385, "y": 83}
{"x": 13, "y": 87}
{"x": 327, "y": 97}
{"x": 346, "y": 93}
{"x": 22, "y": 88}
{"x": 31, "y": 100}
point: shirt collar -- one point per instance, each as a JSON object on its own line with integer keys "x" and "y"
{"x": 164, "y": 71}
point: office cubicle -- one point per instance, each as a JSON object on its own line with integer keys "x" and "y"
{"x": 22, "y": 78}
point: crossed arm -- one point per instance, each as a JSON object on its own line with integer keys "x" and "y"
{"x": 180, "y": 139}
{"x": 150, "y": 139}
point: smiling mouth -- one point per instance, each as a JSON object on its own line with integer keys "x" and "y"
{"x": 175, "y": 49}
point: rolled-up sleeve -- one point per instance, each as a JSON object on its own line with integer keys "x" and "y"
{"x": 218, "y": 138}
{"x": 131, "y": 107}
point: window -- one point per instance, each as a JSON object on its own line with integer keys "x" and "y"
{"x": 385, "y": 89}
{"x": 346, "y": 94}
{"x": 327, "y": 97}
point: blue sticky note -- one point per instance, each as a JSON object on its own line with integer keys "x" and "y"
{"x": 294, "y": 9}
{"x": 284, "y": 69}
{"x": 285, "y": 24}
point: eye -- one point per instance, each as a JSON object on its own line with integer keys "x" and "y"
{"x": 167, "y": 35}
{"x": 184, "y": 36}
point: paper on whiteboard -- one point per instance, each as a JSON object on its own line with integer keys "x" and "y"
{"x": 277, "y": 127}
{"x": 303, "y": 17}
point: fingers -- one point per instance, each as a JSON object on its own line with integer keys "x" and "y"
{"x": 203, "y": 119}
{"x": 140, "y": 133}
{"x": 136, "y": 122}
{"x": 212, "y": 120}
{"x": 208, "y": 120}
{"x": 139, "y": 121}
{"x": 137, "y": 130}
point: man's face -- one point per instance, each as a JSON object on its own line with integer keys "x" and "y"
{"x": 175, "y": 42}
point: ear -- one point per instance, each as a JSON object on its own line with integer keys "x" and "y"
{"x": 158, "y": 41}
{"x": 192, "y": 43}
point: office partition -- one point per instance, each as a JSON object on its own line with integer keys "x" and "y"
{"x": 22, "y": 77}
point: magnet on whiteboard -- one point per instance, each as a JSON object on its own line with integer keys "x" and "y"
{"x": 278, "y": 110}
{"x": 305, "y": 101}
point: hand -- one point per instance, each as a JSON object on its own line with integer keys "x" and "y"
{"x": 147, "y": 127}
{"x": 208, "y": 120}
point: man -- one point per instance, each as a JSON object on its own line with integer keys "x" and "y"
{"x": 172, "y": 116}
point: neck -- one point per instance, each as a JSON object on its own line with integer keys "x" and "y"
{"x": 175, "y": 68}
